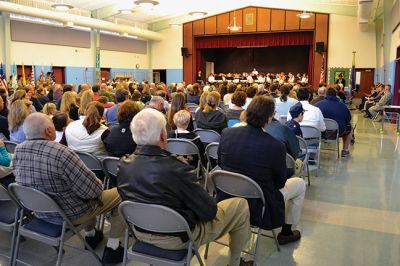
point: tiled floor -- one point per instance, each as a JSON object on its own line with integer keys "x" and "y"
{"x": 351, "y": 214}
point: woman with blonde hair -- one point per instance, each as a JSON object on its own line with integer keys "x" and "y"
{"x": 210, "y": 117}
{"x": 19, "y": 110}
{"x": 49, "y": 109}
{"x": 69, "y": 106}
{"x": 87, "y": 134}
{"x": 86, "y": 99}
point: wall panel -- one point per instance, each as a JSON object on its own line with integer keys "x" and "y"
{"x": 211, "y": 25}
{"x": 292, "y": 21}
{"x": 250, "y": 19}
{"x": 277, "y": 19}
{"x": 263, "y": 19}
{"x": 188, "y": 43}
{"x": 223, "y": 23}
{"x": 198, "y": 27}
{"x": 307, "y": 24}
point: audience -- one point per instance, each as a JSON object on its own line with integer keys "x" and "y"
{"x": 4, "y": 131}
{"x": 119, "y": 142}
{"x": 251, "y": 92}
{"x": 69, "y": 182}
{"x": 228, "y": 97}
{"x": 60, "y": 121}
{"x": 69, "y": 106}
{"x": 321, "y": 95}
{"x": 238, "y": 100}
{"x": 284, "y": 102}
{"x": 157, "y": 103}
{"x": 85, "y": 99}
{"x": 386, "y": 99}
{"x": 6, "y": 174}
{"x": 30, "y": 95}
{"x": 121, "y": 96}
{"x": 177, "y": 104}
{"x": 49, "y": 109}
{"x": 193, "y": 95}
{"x": 239, "y": 151}
{"x": 297, "y": 114}
{"x": 20, "y": 109}
{"x": 87, "y": 135}
{"x": 210, "y": 117}
{"x": 152, "y": 175}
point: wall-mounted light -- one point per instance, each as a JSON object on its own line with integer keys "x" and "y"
{"x": 234, "y": 27}
{"x": 62, "y": 6}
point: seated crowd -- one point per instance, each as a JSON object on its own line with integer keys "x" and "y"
{"x": 133, "y": 122}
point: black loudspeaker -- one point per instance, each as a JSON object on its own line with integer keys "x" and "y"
{"x": 320, "y": 47}
{"x": 184, "y": 51}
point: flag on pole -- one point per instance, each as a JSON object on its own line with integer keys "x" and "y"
{"x": 23, "y": 76}
{"x": 322, "y": 77}
{"x": 3, "y": 81}
{"x": 353, "y": 73}
{"x": 32, "y": 79}
{"x": 53, "y": 77}
{"x": 42, "y": 77}
{"x": 14, "y": 81}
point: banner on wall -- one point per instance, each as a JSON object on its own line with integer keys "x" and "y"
{"x": 98, "y": 77}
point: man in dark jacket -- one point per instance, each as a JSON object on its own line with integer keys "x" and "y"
{"x": 249, "y": 150}
{"x": 153, "y": 175}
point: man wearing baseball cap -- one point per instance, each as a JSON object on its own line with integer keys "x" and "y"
{"x": 296, "y": 112}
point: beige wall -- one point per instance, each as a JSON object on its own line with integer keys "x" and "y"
{"x": 344, "y": 38}
{"x": 114, "y": 59}
{"x": 166, "y": 54}
{"x": 1, "y": 40}
{"x": 395, "y": 42}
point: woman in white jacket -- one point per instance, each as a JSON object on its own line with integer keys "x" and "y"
{"x": 87, "y": 135}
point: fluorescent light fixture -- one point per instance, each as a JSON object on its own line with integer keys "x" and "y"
{"x": 68, "y": 24}
{"x": 175, "y": 24}
{"x": 125, "y": 11}
{"x": 198, "y": 14}
{"x": 305, "y": 15}
{"x": 62, "y": 6}
{"x": 146, "y": 4}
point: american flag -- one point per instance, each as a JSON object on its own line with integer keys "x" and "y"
{"x": 53, "y": 77}
{"x": 42, "y": 77}
{"x": 3, "y": 81}
{"x": 322, "y": 77}
{"x": 32, "y": 79}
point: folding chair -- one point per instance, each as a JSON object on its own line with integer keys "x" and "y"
{"x": 207, "y": 135}
{"x": 290, "y": 164}
{"x": 312, "y": 136}
{"x": 244, "y": 187}
{"x": 390, "y": 113}
{"x": 111, "y": 125}
{"x": 283, "y": 119}
{"x": 10, "y": 146}
{"x": 332, "y": 130}
{"x": 54, "y": 235}
{"x": 184, "y": 147}
{"x": 94, "y": 164}
{"x": 157, "y": 219}
{"x": 8, "y": 218}
{"x": 110, "y": 167}
{"x": 304, "y": 157}
{"x": 192, "y": 107}
{"x": 212, "y": 154}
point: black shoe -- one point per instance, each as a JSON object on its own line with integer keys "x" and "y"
{"x": 94, "y": 241}
{"x": 113, "y": 256}
{"x": 286, "y": 239}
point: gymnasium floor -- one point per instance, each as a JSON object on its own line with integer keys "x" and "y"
{"x": 351, "y": 214}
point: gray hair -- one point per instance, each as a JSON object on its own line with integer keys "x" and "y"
{"x": 35, "y": 125}
{"x": 322, "y": 91}
{"x": 156, "y": 100}
{"x": 147, "y": 126}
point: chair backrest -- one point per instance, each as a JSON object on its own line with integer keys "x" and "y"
{"x": 154, "y": 218}
{"x": 212, "y": 150}
{"x": 208, "y": 135}
{"x": 332, "y": 128}
{"x": 283, "y": 119}
{"x": 4, "y": 196}
{"x": 237, "y": 185}
{"x": 302, "y": 144}
{"x": 290, "y": 162}
{"x": 110, "y": 165}
{"x": 10, "y": 146}
{"x": 311, "y": 134}
{"x": 232, "y": 122}
{"x": 33, "y": 199}
{"x": 91, "y": 161}
{"x": 182, "y": 147}
{"x": 191, "y": 107}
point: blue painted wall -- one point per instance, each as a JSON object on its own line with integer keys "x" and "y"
{"x": 138, "y": 74}
{"x": 174, "y": 75}
{"x": 79, "y": 75}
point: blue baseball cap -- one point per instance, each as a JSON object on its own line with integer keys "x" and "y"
{"x": 296, "y": 110}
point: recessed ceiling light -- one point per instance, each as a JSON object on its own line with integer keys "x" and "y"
{"x": 62, "y": 6}
{"x": 305, "y": 15}
{"x": 146, "y": 3}
{"x": 198, "y": 14}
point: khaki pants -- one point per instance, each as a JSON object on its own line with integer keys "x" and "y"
{"x": 232, "y": 218}
{"x": 109, "y": 201}
{"x": 293, "y": 193}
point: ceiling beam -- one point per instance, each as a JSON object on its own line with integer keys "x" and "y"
{"x": 105, "y": 12}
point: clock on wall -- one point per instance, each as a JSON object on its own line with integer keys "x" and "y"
{"x": 137, "y": 66}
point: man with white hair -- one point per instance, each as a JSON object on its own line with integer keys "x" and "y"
{"x": 321, "y": 95}
{"x": 53, "y": 168}
{"x": 157, "y": 103}
{"x": 152, "y": 175}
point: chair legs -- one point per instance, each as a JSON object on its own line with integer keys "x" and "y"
{"x": 278, "y": 247}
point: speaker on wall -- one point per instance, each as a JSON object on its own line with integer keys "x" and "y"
{"x": 185, "y": 51}
{"x": 320, "y": 47}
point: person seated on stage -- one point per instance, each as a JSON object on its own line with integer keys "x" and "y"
{"x": 210, "y": 117}
{"x": 313, "y": 117}
{"x": 251, "y": 93}
{"x": 69, "y": 182}
{"x": 274, "y": 90}
{"x": 291, "y": 78}
{"x": 236, "y": 108}
{"x": 321, "y": 95}
{"x": 297, "y": 113}
{"x": 239, "y": 151}
{"x": 193, "y": 95}
{"x": 374, "y": 98}
{"x": 333, "y": 109}
{"x": 211, "y": 79}
{"x": 385, "y": 100}
{"x": 284, "y": 102}
{"x": 304, "y": 79}
{"x": 152, "y": 175}
{"x": 366, "y": 97}
{"x": 231, "y": 90}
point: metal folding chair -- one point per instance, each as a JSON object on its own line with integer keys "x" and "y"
{"x": 192, "y": 107}
{"x": 94, "y": 164}
{"x": 157, "y": 219}
{"x": 34, "y": 200}
{"x": 207, "y": 135}
{"x": 312, "y": 136}
{"x": 212, "y": 154}
{"x": 184, "y": 147}
{"x": 110, "y": 167}
{"x": 10, "y": 146}
{"x": 332, "y": 129}
{"x": 304, "y": 157}
{"x": 290, "y": 164}
{"x": 244, "y": 187}
{"x": 8, "y": 218}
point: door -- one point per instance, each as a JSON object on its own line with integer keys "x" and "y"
{"x": 396, "y": 90}
{"x": 59, "y": 73}
{"x": 160, "y": 75}
{"x": 366, "y": 80}
{"x": 27, "y": 70}
{"x": 105, "y": 74}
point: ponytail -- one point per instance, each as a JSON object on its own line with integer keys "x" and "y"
{"x": 94, "y": 114}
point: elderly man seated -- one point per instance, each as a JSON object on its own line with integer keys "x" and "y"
{"x": 53, "y": 168}
{"x": 385, "y": 100}
{"x": 153, "y": 175}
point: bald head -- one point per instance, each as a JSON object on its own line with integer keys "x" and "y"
{"x": 39, "y": 126}
{"x": 322, "y": 91}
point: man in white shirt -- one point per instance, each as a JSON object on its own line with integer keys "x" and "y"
{"x": 312, "y": 115}
{"x": 211, "y": 79}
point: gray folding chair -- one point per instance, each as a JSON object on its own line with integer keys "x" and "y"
{"x": 212, "y": 154}
{"x": 244, "y": 187}
{"x": 110, "y": 167}
{"x": 208, "y": 136}
{"x": 34, "y": 200}
{"x": 290, "y": 164}
{"x": 94, "y": 164}
{"x": 192, "y": 107}
{"x": 312, "y": 136}
{"x": 8, "y": 218}
{"x": 332, "y": 134}
{"x": 157, "y": 219}
{"x": 184, "y": 147}
{"x": 10, "y": 146}
{"x": 304, "y": 157}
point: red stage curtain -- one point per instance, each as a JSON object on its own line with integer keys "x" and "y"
{"x": 267, "y": 39}
{"x": 310, "y": 65}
